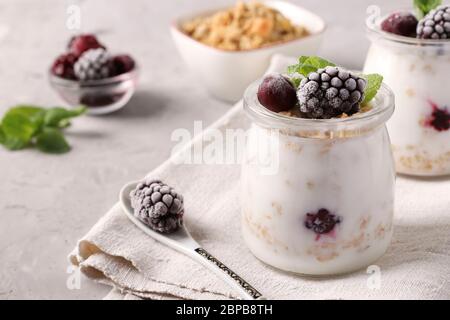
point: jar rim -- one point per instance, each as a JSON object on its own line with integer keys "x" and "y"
{"x": 373, "y": 28}
{"x": 381, "y": 111}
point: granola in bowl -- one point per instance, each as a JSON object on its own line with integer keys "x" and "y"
{"x": 245, "y": 26}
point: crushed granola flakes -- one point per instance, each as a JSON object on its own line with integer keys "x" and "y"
{"x": 243, "y": 27}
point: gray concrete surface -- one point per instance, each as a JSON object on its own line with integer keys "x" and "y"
{"x": 48, "y": 202}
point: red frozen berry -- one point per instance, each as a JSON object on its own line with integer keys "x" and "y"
{"x": 277, "y": 93}
{"x": 439, "y": 118}
{"x": 322, "y": 222}
{"x": 83, "y": 42}
{"x": 63, "y": 66}
{"x": 401, "y": 23}
{"x": 122, "y": 64}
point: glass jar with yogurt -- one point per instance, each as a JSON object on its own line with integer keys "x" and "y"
{"x": 417, "y": 70}
{"x": 323, "y": 202}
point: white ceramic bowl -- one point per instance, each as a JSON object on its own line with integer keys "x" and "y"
{"x": 226, "y": 74}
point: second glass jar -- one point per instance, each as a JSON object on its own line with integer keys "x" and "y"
{"x": 417, "y": 71}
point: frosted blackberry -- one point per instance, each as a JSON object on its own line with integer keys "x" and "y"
{"x": 157, "y": 205}
{"x": 436, "y": 24}
{"x": 93, "y": 64}
{"x": 330, "y": 92}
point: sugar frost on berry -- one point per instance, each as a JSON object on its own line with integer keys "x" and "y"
{"x": 93, "y": 64}
{"x": 330, "y": 92}
{"x": 157, "y": 205}
{"x": 436, "y": 24}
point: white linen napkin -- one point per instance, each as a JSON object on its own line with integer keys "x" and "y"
{"x": 115, "y": 252}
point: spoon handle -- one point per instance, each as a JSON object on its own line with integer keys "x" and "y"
{"x": 228, "y": 275}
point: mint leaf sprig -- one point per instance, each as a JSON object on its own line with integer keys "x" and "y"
{"x": 422, "y": 7}
{"x": 308, "y": 64}
{"x": 31, "y": 126}
{"x": 374, "y": 81}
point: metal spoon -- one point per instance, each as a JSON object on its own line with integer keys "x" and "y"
{"x": 183, "y": 242}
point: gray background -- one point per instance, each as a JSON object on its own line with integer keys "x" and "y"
{"x": 48, "y": 202}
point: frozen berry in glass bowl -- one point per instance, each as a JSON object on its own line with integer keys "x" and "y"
{"x": 90, "y": 75}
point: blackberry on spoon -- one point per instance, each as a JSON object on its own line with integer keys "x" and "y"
{"x": 157, "y": 205}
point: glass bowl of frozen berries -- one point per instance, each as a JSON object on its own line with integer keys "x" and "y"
{"x": 88, "y": 74}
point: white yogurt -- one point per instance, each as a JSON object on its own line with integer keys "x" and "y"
{"x": 343, "y": 166}
{"x": 418, "y": 72}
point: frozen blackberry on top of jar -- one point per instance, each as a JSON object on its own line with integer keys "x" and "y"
{"x": 436, "y": 24}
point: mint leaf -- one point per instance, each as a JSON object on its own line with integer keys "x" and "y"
{"x": 34, "y": 113}
{"x": 27, "y": 125}
{"x": 14, "y": 143}
{"x": 11, "y": 143}
{"x": 425, "y": 6}
{"x": 51, "y": 140}
{"x": 19, "y": 128}
{"x": 295, "y": 79}
{"x": 19, "y": 125}
{"x": 2, "y": 135}
{"x": 308, "y": 64}
{"x": 58, "y": 117}
{"x": 374, "y": 82}
{"x": 27, "y": 110}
